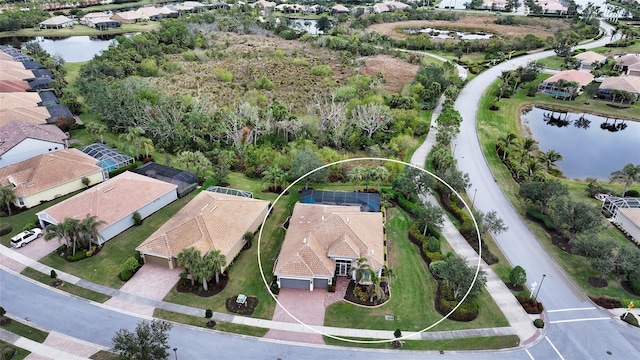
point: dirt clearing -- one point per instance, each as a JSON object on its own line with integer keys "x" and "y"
{"x": 397, "y": 72}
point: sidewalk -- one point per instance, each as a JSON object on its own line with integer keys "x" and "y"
{"x": 520, "y": 321}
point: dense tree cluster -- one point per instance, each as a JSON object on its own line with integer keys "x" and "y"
{"x": 14, "y": 20}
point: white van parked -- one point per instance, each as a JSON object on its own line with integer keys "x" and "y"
{"x": 25, "y": 237}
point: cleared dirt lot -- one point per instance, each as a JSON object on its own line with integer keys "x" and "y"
{"x": 538, "y": 27}
{"x": 396, "y": 72}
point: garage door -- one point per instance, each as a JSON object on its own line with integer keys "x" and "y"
{"x": 320, "y": 284}
{"x": 294, "y": 284}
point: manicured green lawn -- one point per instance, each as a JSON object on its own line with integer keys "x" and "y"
{"x": 494, "y": 124}
{"x": 483, "y": 343}
{"x": 412, "y": 293}
{"x": 201, "y": 322}
{"x": 70, "y": 288}
{"x": 20, "y": 352}
{"x": 24, "y": 330}
{"x": 104, "y": 267}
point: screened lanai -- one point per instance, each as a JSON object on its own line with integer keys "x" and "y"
{"x": 109, "y": 159}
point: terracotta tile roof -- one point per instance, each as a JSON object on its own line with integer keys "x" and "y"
{"x": 15, "y": 74}
{"x": 19, "y": 100}
{"x": 17, "y": 131}
{"x": 11, "y": 65}
{"x": 319, "y": 231}
{"x": 34, "y": 115}
{"x": 581, "y": 77}
{"x": 624, "y": 83}
{"x": 47, "y": 171}
{"x": 9, "y": 86}
{"x": 633, "y": 214}
{"x": 628, "y": 59}
{"x": 150, "y": 11}
{"x": 112, "y": 200}
{"x": 130, "y": 15}
{"x": 210, "y": 221}
{"x": 5, "y": 56}
{"x": 590, "y": 57}
{"x": 56, "y": 20}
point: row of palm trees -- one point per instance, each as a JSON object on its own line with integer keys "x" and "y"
{"x": 75, "y": 233}
{"x": 202, "y": 268}
{"x": 367, "y": 174}
{"x": 365, "y": 275}
{"x": 524, "y": 158}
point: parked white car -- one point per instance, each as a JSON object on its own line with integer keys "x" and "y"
{"x": 25, "y": 237}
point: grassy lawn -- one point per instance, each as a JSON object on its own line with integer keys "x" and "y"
{"x": 482, "y": 343}
{"x": 201, "y": 322}
{"x": 82, "y": 30}
{"x": 244, "y": 274}
{"x": 552, "y": 62}
{"x": 104, "y": 267}
{"x": 67, "y": 287}
{"x": 492, "y": 125}
{"x": 20, "y": 352}
{"x": 411, "y": 309}
{"x": 104, "y": 355}
{"x": 24, "y": 330}
{"x": 27, "y": 219}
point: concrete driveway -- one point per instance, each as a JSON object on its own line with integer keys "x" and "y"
{"x": 151, "y": 282}
{"x": 36, "y": 250}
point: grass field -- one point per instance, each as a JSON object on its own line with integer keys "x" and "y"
{"x": 412, "y": 293}
{"x": 20, "y": 352}
{"x": 492, "y": 125}
{"x": 66, "y": 287}
{"x": 25, "y": 330}
{"x": 82, "y": 30}
{"x": 484, "y": 343}
{"x": 201, "y": 322}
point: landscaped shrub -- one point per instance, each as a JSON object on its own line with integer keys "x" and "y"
{"x": 541, "y": 218}
{"x": 432, "y": 244}
{"x": 360, "y": 293}
{"x": 208, "y": 313}
{"x": 629, "y": 318}
{"x": 539, "y": 323}
{"x": 634, "y": 282}
{"x": 435, "y": 256}
{"x": 53, "y": 274}
{"x": 137, "y": 219}
{"x": 5, "y": 228}
{"x": 468, "y": 311}
{"x": 632, "y": 193}
{"x": 607, "y": 303}
{"x": 530, "y": 305}
{"x": 406, "y": 205}
{"x": 8, "y": 352}
{"x": 131, "y": 264}
{"x": 126, "y": 274}
{"x": 80, "y": 255}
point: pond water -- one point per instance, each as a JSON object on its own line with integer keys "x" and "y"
{"x": 72, "y": 49}
{"x": 308, "y": 25}
{"x": 591, "y": 145}
{"x": 446, "y": 34}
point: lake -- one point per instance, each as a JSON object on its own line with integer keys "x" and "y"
{"x": 591, "y": 145}
{"x": 72, "y": 49}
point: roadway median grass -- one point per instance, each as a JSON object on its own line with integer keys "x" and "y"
{"x": 20, "y": 352}
{"x": 66, "y": 287}
{"x": 412, "y": 293}
{"x": 20, "y": 328}
{"x": 201, "y": 322}
{"x": 494, "y": 124}
{"x": 466, "y": 344}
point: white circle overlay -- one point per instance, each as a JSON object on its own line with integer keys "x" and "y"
{"x": 314, "y": 328}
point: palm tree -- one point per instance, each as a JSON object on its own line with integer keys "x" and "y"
{"x": 67, "y": 230}
{"x": 188, "y": 258}
{"x": 218, "y": 262}
{"x": 203, "y": 270}
{"x": 132, "y": 137}
{"x": 504, "y": 142}
{"x": 273, "y": 175}
{"x": 379, "y": 174}
{"x": 629, "y": 174}
{"x": 550, "y": 158}
{"x": 88, "y": 229}
{"x": 7, "y": 196}
{"x": 356, "y": 175}
{"x": 527, "y": 146}
{"x": 97, "y": 129}
{"x": 187, "y": 158}
{"x": 201, "y": 163}
{"x": 147, "y": 145}
{"x": 371, "y": 279}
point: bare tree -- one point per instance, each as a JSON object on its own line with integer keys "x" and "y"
{"x": 371, "y": 117}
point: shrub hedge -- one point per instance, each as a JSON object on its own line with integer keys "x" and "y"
{"x": 445, "y": 302}
{"x": 607, "y": 303}
{"x": 530, "y": 305}
{"x": 629, "y": 319}
{"x": 541, "y": 218}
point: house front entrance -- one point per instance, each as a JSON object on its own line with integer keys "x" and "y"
{"x": 343, "y": 267}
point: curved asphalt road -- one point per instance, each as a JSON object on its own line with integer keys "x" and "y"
{"x": 583, "y": 331}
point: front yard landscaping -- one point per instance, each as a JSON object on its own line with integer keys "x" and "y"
{"x": 412, "y": 292}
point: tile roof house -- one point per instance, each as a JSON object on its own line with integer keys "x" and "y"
{"x": 211, "y": 221}
{"x": 129, "y": 17}
{"x": 327, "y": 240}
{"x": 339, "y": 9}
{"x": 36, "y": 115}
{"x": 551, "y": 85}
{"x": 589, "y": 58}
{"x": 20, "y": 141}
{"x": 19, "y": 100}
{"x": 57, "y": 22}
{"x": 99, "y": 20}
{"x": 114, "y": 202}
{"x": 629, "y": 84}
{"x": 48, "y": 176}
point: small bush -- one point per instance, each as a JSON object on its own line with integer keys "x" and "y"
{"x": 263, "y": 83}
{"x": 539, "y": 323}
{"x": 300, "y": 62}
{"x": 137, "y": 219}
{"x": 360, "y": 294}
{"x": 435, "y": 256}
{"x": 8, "y": 352}
{"x": 208, "y": 314}
{"x": 432, "y": 244}
{"x": 131, "y": 264}
{"x": 541, "y": 218}
{"x": 5, "y": 228}
{"x": 530, "y": 305}
{"x": 632, "y": 193}
{"x": 397, "y": 333}
{"x": 321, "y": 70}
{"x": 468, "y": 311}
{"x": 80, "y": 255}
{"x": 53, "y": 274}
{"x": 629, "y": 318}
{"x": 190, "y": 56}
{"x": 223, "y": 75}
{"x": 126, "y": 274}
